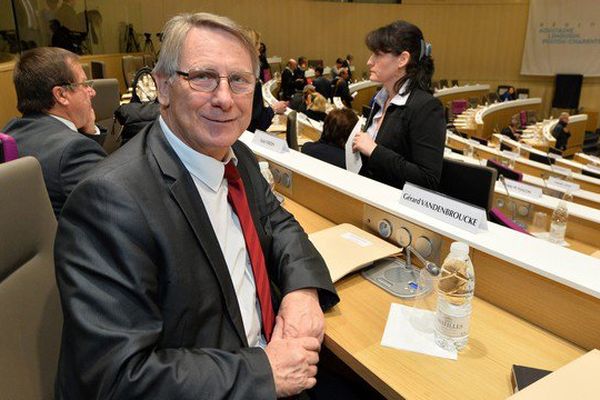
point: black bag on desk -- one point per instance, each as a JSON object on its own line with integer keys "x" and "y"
{"x": 133, "y": 117}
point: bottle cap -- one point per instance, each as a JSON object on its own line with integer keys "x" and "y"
{"x": 263, "y": 165}
{"x": 459, "y": 248}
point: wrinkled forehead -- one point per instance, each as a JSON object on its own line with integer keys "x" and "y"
{"x": 207, "y": 46}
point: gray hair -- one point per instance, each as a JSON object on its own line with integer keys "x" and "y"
{"x": 177, "y": 28}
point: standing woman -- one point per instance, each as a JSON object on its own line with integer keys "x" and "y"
{"x": 405, "y": 135}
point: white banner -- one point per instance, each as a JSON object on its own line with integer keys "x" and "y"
{"x": 563, "y": 37}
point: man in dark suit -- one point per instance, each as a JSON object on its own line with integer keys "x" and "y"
{"x": 561, "y": 131}
{"x": 55, "y": 99}
{"x": 287, "y": 80}
{"x": 321, "y": 83}
{"x": 300, "y": 71}
{"x": 341, "y": 89}
{"x": 181, "y": 276}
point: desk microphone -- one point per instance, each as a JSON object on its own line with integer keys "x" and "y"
{"x": 510, "y": 200}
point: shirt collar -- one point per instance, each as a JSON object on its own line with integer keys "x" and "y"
{"x": 209, "y": 170}
{"x": 398, "y": 99}
{"x": 65, "y": 121}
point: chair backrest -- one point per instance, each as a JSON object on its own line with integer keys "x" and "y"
{"x": 454, "y": 82}
{"x": 98, "y": 69}
{"x": 30, "y": 313}
{"x": 505, "y": 171}
{"x": 291, "y": 132}
{"x": 500, "y": 218}
{"x": 540, "y": 158}
{"x": 104, "y": 104}
{"x": 149, "y": 60}
{"x": 504, "y": 146}
{"x": 590, "y": 173}
{"x": 444, "y": 83}
{"x": 8, "y": 148}
{"x": 522, "y": 93}
{"x": 523, "y": 118}
{"x": 492, "y": 97}
{"x": 130, "y": 65}
{"x": 459, "y": 106}
{"x": 480, "y": 140}
{"x": 473, "y": 184}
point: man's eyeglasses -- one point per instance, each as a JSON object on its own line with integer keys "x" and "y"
{"x": 85, "y": 84}
{"x": 207, "y": 80}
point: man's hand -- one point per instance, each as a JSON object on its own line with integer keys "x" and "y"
{"x": 90, "y": 123}
{"x": 364, "y": 143}
{"x": 279, "y": 107}
{"x": 302, "y": 315}
{"x": 293, "y": 361}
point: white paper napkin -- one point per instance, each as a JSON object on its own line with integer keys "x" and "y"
{"x": 411, "y": 329}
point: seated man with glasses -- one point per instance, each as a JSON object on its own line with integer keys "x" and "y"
{"x": 180, "y": 274}
{"x": 55, "y": 100}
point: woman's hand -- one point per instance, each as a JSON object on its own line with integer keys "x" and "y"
{"x": 364, "y": 143}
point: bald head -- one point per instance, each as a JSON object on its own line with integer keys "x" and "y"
{"x": 292, "y": 63}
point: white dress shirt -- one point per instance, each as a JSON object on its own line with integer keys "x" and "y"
{"x": 208, "y": 176}
{"x": 71, "y": 125}
{"x": 380, "y": 99}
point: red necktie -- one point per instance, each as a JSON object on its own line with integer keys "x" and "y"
{"x": 239, "y": 202}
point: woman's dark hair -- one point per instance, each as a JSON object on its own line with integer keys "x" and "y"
{"x": 402, "y": 36}
{"x": 338, "y": 126}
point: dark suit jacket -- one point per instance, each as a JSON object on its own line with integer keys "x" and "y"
{"x": 561, "y": 136}
{"x": 150, "y": 311}
{"x": 287, "y": 84}
{"x": 323, "y": 85}
{"x": 341, "y": 89}
{"x": 410, "y": 143}
{"x": 261, "y": 115}
{"x": 65, "y": 156}
{"x": 326, "y": 152}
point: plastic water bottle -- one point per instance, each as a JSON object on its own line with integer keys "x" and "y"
{"x": 266, "y": 173}
{"x": 560, "y": 215}
{"x": 455, "y": 289}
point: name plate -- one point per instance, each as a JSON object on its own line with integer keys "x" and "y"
{"x": 510, "y": 154}
{"x": 561, "y": 170}
{"x": 523, "y": 189}
{"x": 270, "y": 142}
{"x": 562, "y": 184}
{"x": 443, "y": 208}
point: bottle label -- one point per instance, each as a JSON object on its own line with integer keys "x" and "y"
{"x": 454, "y": 327}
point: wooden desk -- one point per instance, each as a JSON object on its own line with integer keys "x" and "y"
{"x": 498, "y": 339}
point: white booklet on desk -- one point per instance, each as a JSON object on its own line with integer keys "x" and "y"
{"x": 347, "y": 248}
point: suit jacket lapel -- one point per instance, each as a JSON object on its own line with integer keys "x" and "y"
{"x": 187, "y": 198}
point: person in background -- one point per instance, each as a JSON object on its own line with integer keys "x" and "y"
{"x": 321, "y": 83}
{"x": 347, "y": 63}
{"x": 511, "y": 129}
{"x": 336, "y": 130}
{"x": 300, "y": 71}
{"x": 509, "y": 94}
{"x": 262, "y": 115}
{"x": 561, "y": 131}
{"x": 298, "y": 100}
{"x": 288, "y": 88}
{"x": 265, "y": 67}
{"x": 335, "y": 71}
{"x": 180, "y": 274}
{"x": 316, "y": 106}
{"x": 58, "y": 125}
{"x": 404, "y": 139}
{"x": 341, "y": 89}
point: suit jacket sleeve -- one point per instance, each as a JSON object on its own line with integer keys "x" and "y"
{"x": 426, "y": 129}
{"x": 108, "y": 273}
{"x": 293, "y": 262}
{"x": 77, "y": 159}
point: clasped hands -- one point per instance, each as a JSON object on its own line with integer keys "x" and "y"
{"x": 293, "y": 351}
{"x": 364, "y": 143}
